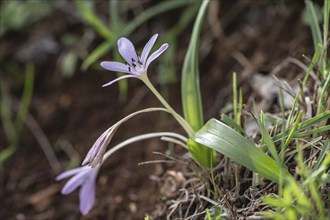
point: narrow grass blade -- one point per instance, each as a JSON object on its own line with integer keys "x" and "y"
{"x": 316, "y": 57}
{"x": 6, "y": 115}
{"x": 267, "y": 140}
{"x": 314, "y": 23}
{"x": 230, "y": 143}
{"x": 304, "y": 125}
{"x": 232, "y": 123}
{"x": 26, "y": 97}
{"x": 151, "y": 12}
{"x": 325, "y": 151}
{"x": 312, "y": 132}
{"x": 91, "y": 18}
{"x": 101, "y": 50}
{"x": 7, "y": 153}
{"x": 326, "y": 19}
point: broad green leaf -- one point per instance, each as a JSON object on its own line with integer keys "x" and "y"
{"x": 230, "y": 143}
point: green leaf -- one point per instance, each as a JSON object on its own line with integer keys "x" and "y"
{"x": 151, "y": 12}
{"x": 304, "y": 125}
{"x": 232, "y": 123}
{"x": 191, "y": 97}
{"x": 7, "y": 153}
{"x": 267, "y": 139}
{"x": 312, "y": 17}
{"x": 87, "y": 11}
{"x": 97, "y": 53}
{"x": 230, "y": 143}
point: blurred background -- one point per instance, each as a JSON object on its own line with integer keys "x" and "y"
{"x": 53, "y": 107}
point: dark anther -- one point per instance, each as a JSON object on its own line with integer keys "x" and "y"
{"x": 133, "y": 60}
{"x": 133, "y": 64}
{"x": 140, "y": 62}
{"x": 129, "y": 69}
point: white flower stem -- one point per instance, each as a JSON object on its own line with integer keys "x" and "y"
{"x": 178, "y": 117}
{"x": 140, "y": 138}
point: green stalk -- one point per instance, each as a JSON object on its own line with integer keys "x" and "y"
{"x": 140, "y": 138}
{"x": 178, "y": 117}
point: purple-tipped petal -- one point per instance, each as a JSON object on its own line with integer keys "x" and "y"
{"x": 156, "y": 54}
{"x": 85, "y": 177}
{"x": 147, "y": 48}
{"x": 68, "y": 173}
{"x": 115, "y": 66}
{"x": 127, "y": 50}
{"x": 74, "y": 182}
{"x": 87, "y": 194}
{"x": 119, "y": 78}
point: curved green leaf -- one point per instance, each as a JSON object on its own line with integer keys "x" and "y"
{"x": 230, "y": 143}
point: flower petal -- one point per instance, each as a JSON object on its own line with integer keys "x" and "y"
{"x": 147, "y": 48}
{"x": 127, "y": 50}
{"x": 96, "y": 147}
{"x": 115, "y": 66}
{"x": 119, "y": 78}
{"x": 74, "y": 182}
{"x": 69, "y": 173}
{"x": 95, "y": 154}
{"x": 87, "y": 194}
{"x": 156, "y": 54}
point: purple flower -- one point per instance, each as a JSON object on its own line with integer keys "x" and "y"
{"x": 84, "y": 177}
{"x": 136, "y": 66}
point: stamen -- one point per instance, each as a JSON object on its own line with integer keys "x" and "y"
{"x": 129, "y": 69}
{"x": 140, "y": 62}
{"x": 134, "y": 65}
{"x": 133, "y": 60}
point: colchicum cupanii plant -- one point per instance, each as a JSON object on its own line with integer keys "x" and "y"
{"x": 136, "y": 67}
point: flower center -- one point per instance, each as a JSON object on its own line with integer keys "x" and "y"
{"x": 136, "y": 67}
